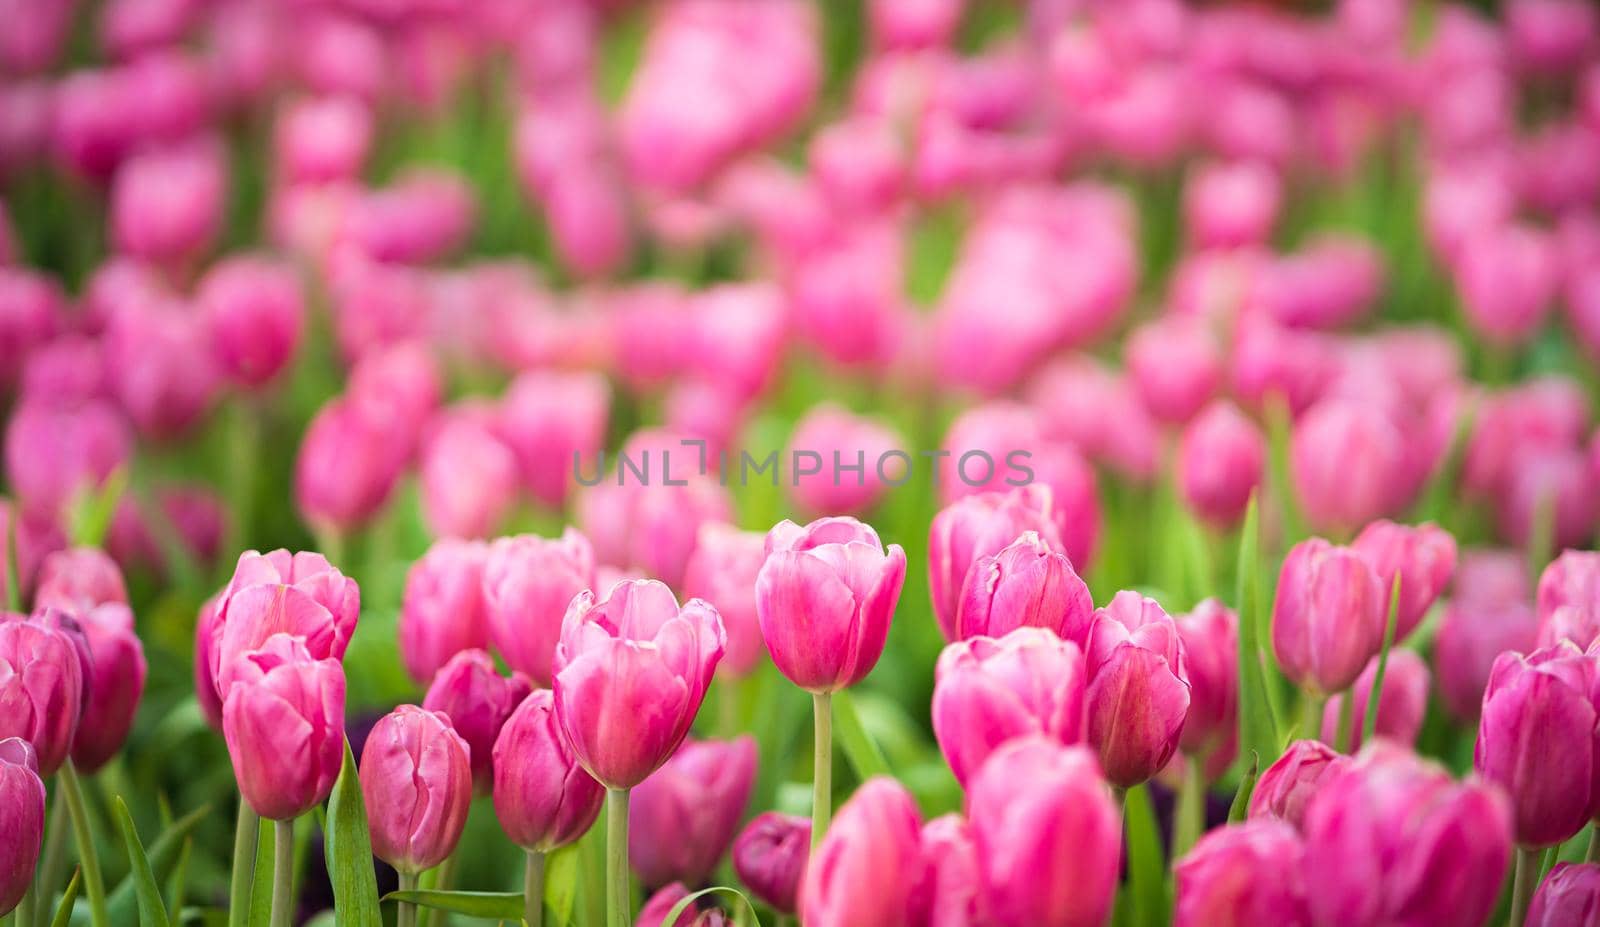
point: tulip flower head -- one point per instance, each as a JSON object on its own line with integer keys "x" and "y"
{"x": 416, "y": 782}
{"x": 723, "y": 570}
{"x": 1423, "y": 558}
{"x": 470, "y": 691}
{"x": 770, "y": 856}
{"x": 442, "y": 611}
{"x": 976, "y": 527}
{"x": 45, "y": 683}
{"x": 1329, "y": 616}
{"x": 299, "y": 594}
{"x": 542, "y": 796}
{"x": 528, "y": 582}
{"x": 1026, "y": 584}
{"x": 1288, "y": 785}
{"x": 1570, "y": 894}
{"x": 283, "y": 719}
{"x": 682, "y": 819}
{"x": 22, "y": 817}
{"x": 1138, "y": 696}
{"x": 1244, "y": 874}
{"x": 863, "y": 871}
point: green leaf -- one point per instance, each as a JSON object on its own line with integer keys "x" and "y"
{"x": 1146, "y": 871}
{"x": 349, "y": 846}
{"x": 561, "y": 883}
{"x": 261, "y": 885}
{"x": 1278, "y": 427}
{"x": 684, "y": 903}
{"x": 503, "y": 905}
{"x": 89, "y": 513}
{"x": 1240, "y": 809}
{"x": 1258, "y": 725}
{"x": 152, "y": 912}
{"x": 64, "y": 910}
{"x": 163, "y": 855}
{"x": 1370, "y": 723}
{"x": 859, "y": 748}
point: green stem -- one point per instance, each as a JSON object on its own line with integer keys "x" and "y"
{"x": 405, "y": 913}
{"x": 822, "y": 766}
{"x": 1593, "y": 855}
{"x": 1311, "y": 720}
{"x": 246, "y": 835}
{"x": 23, "y": 912}
{"x": 283, "y": 874}
{"x": 83, "y": 835}
{"x": 533, "y": 889}
{"x": 1522, "y": 889}
{"x": 51, "y": 866}
{"x": 444, "y": 879}
{"x": 619, "y": 908}
{"x": 1347, "y": 716}
{"x": 1190, "y": 821}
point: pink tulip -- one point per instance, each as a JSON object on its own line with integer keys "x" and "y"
{"x": 78, "y": 579}
{"x": 1488, "y": 615}
{"x": 37, "y": 37}
{"x": 863, "y": 871}
{"x": 976, "y": 527}
{"x": 985, "y": 446}
{"x": 1540, "y": 705}
{"x": 33, "y": 308}
{"x": 22, "y": 815}
{"x": 442, "y": 611}
{"x": 1176, "y": 366}
{"x": 1025, "y": 584}
{"x": 470, "y": 691}
{"x": 206, "y": 635}
{"x": 53, "y": 454}
{"x": 94, "y": 125}
{"x": 299, "y": 594}
{"x": 398, "y": 386}
{"x": 416, "y": 782}
{"x": 1048, "y": 852}
{"x": 167, "y": 205}
{"x": 1570, "y": 894}
{"x": 860, "y": 163}
{"x": 1221, "y": 459}
{"x": 1569, "y": 599}
{"x": 846, "y": 294}
{"x": 824, "y": 599}
{"x": 1421, "y": 557}
{"x": 1401, "y": 705}
{"x": 1138, "y": 696}
{"x": 1229, "y": 205}
{"x": 854, "y": 472}
{"x": 682, "y": 819}
{"x": 1329, "y": 616}
{"x": 1395, "y": 838}
{"x": 1348, "y": 463}
{"x": 1210, "y": 637}
{"x": 1243, "y": 874}
{"x": 1330, "y": 283}
{"x": 1273, "y": 363}
{"x": 1550, "y": 36}
{"x": 950, "y": 892}
{"x": 1557, "y": 485}
{"x": 723, "y": 571}
{"x": 914, "y": 24}
{"x": 655, "y": 910}
{"x": 45, "y": 681}
{"x": 549, "y": 420}
{"x": 1507, "y": 279}
{"x": 346, "y": 468}
{"x": 989, "y": 691}
{"x": 528, "y": 582}
{"x": 160, "y": 366}
{"x": 117, "y": 668}
{"x": 1287, "y": 786}
{"x": 633, "y": 653}
{"x": 283, "y": 719}
{"x": 1541, "y": 414}
{"x": 423, "y": 216}
{"x": 542, "y": 797}
{"x": 254, "y": 313}
{"x": 652, "y": 528}
{"x": 469, "y": 478}
{"x": 770, "y": 857}
{"x": 738, "y": 334}
{"x": 1097, "y": 410}
{"x": 322, "y": 140}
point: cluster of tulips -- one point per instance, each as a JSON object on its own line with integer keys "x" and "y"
{"x": 1223, "y": 375}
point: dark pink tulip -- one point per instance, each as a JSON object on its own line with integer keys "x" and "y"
{"x": 117, "y": 669}
{"x": 44, "y": 683}
{"x": 1210, "y": 637}
{"x": 914, "y": 24}
{"x": 196, "y": 513}
{"x": 95, "y": 122}
{"x": 770, "y": 857}
{"x": 22, "y": 817}
{"x": 1270, "y": 360}
{"x": 33, "y": 308}
{"x": 254, "y": 313}
{"x": 528, "y": 582}
{"x": 469, "y": 478}
{"x": 207, "y": 633}
{"x": 299, "y": 594}
{"x": 1289, "y": 784}
{"x": 682, "y": 819}
{"x": 322, "y": 139}
{"x": 1569, "y": 599}
{"x": 844, "y": 440}
{"x": 1176, "y": 366}
{"x": 950, "y": 892}
{"x": 976, "y": 527}
{"x": 865, "y": 868}
{"x": 1047, "y": 834}
{"x": 1395, "y": 840}
{"x": 167, "y": 205}
{"x": 160, "y": 367}
{"x": 1401, "y": 706}
{"x": 548, "y": 419}
{"x": 1349, "y": 464}
{"x": 442, "y": 612}
{"x": 1550, "y": 37}
{"x": 1329, "y": 283}
{"x": 1542, "y": 414}
{"x": 171, "y": 97}
{"x": 416, "y": 781}
{"x": 37, "y": 37}
{"x": 989, "y": 691}
{"x": 542, "y": 797}
{"x": 1229, "y": 205}
{"x": 1329, "y": 616}
{"x": 478, "y": 700}
{"x": 652, "y": 528}
{"x": 723, "y": 571}
{"x": 634, "y": 653}
{"x": 128, "y": 27}
{"x": 846, "y": 294}
{"x": 78, "y": 579}
{"x": 54, "y": 453}
{"x": 347, "y": 466}
{"x": 655, "y": 910}
{"x": 283, "y": 719}
{"x": 1221, "y": 458}
{"x": 1423, "y": 557}
{"x": 1488, "y": 615}
{"x": 1243, "y": 874}
{"x": 825, "y": 597}
{"x": 1025, "y": 584}
{"x": 1569, "y": 897}
{"x": 1138, "y": 696}
{"x": 738, "y": 334}
{"x": 1537, "y": 740}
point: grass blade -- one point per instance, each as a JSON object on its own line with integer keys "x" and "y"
{"x": 859, "y": 748}
{"x": 349, "y": 849}
{"x": 152, "y": 911}
{"x": 1369, "y": 724}
{"x": 1258, "y": 724}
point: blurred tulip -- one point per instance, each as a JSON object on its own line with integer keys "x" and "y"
{"x": 1272, "y": 363}
{"x": 1401, "y": 705}
{"x": 658, "y": 906}
{"x": 1550, "y": 36}
{"x": 117, "y": 669}
{"x": 1569, "y": 599}
{"x": 1422, "y": 557}
{"x": 1348, "y": 463}
{"x": 528, "y": 583}
{"x": 1243, "y": 874}
{"x": 22, "y": 815}
{"x": 950, "y": 892}
{"x": 1176, "y": 366}
{"x": 283, "y": 719}
{"x": 825, "y": 598}
{"x": 1541, "y": 414}
{"x": 1221, "y": 459}
{"x": 652, "y": 528}
{"x": 1329, "y": 283}
{"x": 422, "y": 216}
{"x": 1487, "y": 616}
{"x": 160, "y": 367}
{"x": 319, "y": 140}
{"x": 45, "y": 680}
{"x": 863, "y": 871}
{"x": 769, "y": 856}
{"x": 854, "y": 470}
{"x": 416, "y": 782}
{"x": 207, "y": 634}
{"x": 1507, "y": 279}
{"x": 549, "y": 420}
{"x": 1138, "y": 696}
{"x": 1229, "y": 205}
{"x": 1552, "y": 492}
{"x": 255, "y": 313}
{"x": 914, "y": 24}
{"x": 299, "y": 594}
{"x": 469, "y": 479}
{"x": 723, "y": 571}
{"x": 543, "y": 798}
{"x": 1569, "y": 897}
{"x": 167, "y": 206}
{"x": 1329, "y": 616}
{"x": 442, "y": 611}
{"x": 33, "y": 308}
{"x": 470, "y": 691}
{"x": 346, "y": 467}
{"x": 979, "y": 526}
{"x": 1210, "y": 636}
{"x": 1289, "y": 784}
{"x": 1025, "y": 584}
{"x": 683, "y": 818}
{"x": 78, "y": 579}
{"x": 1097, "y": 410}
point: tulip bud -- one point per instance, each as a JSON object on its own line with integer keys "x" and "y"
{"x": 416, "y": 781}
{"x": 1138, "y": 692}
{"x": 990, "y": 691}
{"x": 1349, "y": 464}
{"x": 21, "y": 817}
{"x": 1537, "y": 739}
{"x": 346, "y": 467}
{"x": 1176, "y": 366}
{"x": 1423, "y": 557}
{"x": 322, "y": 140}
{"x": 43, "y": 674}
{"x": 117, "y": 668}
{"x": 1243, "y": 874}
{"x": 683, "y": 818}
{"x": 1288, "y": 785}
{"x": 1047, "y": 834}
{"x": 442, "y": 612}
{"x": 1220, "y": 461}
{"x": 167, "y": 205}
{"x": 855, "y": 472}
{"x": 299, "y": 594}
{"x": 77, "y": 580}
{"x": 1329, "y": 616}
{"x": 1229, "y": 205}
{"x": 1569, "y": 897}
{"x": 159, "y": 366}
{"x": 976, "y": 527}
{"x": 770, "y": 857}
{"x": 542, "y": 797}
{"x": 469, "y": 479}
{"x": 1389, "y": 806}
{"x": 635, "y": 653}
{"x": 825, "y": 597}
{"x": 1568, "y": 599}
{"x": 549, "y": 419}
{"x": 1401, "y": 705}
{"x": 1026, "y": 584}
{"x": 863, "y": 870}
{"x": 528, "y": 582}
{"x": 477, "y": 700}
{"x": 254, "y": 313}
{"x": 655, "y": 911}
{"x": 1210, "y": 637}
{"x": 722, "y": 570}
{"x": 283, "y": 719}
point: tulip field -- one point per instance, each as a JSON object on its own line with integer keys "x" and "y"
{"x": 799, "y": 463}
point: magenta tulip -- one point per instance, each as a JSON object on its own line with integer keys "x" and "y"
{"x": 1025, "y": 584}
{"x": 299, "y": 594}
{"x": 319, "y": 140}
{"x": 1568, "y": 599}
{"x": 77, "y": 580}
{"x": 469, "y": 478}
{"x": 1220, "y": 461}
{"x": 1176, "y": 366}
{"x": 844, "y": 442}
{"x": 283, "y": 719}
{"x": 950, "y": 893}
{"x": 864, "y": 870}
{"x": 652, "y": 528}
{"x": 722, "y": 570}
{"x": 43, "y": 684}
{"x": 976, "y": 527}
{"x": 255, "y": 313}
{"x": 1423, "y": 557}
{"x": 1569, "y": 897}
{"x": 1401, "y": 705}
{"x": 547, "y": 419}
{"x": 682, "y": 819}
{"x": 1241, "y": 875}
{"x": 347, "y": 465}
{"x": 542, "y": 797}
{"x": 167, "y": 204}
{"x": 1210, "y": 637}
{"x": 989, "y": 691}
{"x": 1231, "y": 205}
{"x": 1329, "y": 616}
{"x": 655, "y": 910}
{"x": 442, "y": 611}
{"x": 528, "y": 582}
{"x": 416, "y": 781}
{"x": 824, "y": 598}
{"x": 1138, "y": 696}
{"x": 117, "y": 668}
{"x": 1470, "y": 636}
{"x": 770, "y": 857}
{"x": 21, "y": 819}
{"x": 1349, "y": 462}
{"x": 477, "y": 700}
{"x": 1288, "y": 785}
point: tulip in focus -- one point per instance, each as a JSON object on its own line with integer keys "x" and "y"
{"x": 1241, "y": 875}
{"x": 21, "y": 818}
{"x": 863, "y": 870}
{"x": 1288, "y": 785}
{"x": 1025, "y": 584}
{"x": 1138, "y": 696}
{"x": 769, "y": 856}
{"x": 976, "y": 527}
{"x": 1401, "y": 705}
{"x": 1569, "y": 897}
{"x": 528, "y": 582}
{"x": 299, "y": 594}
{"x": 683, "y": 818}
{"x": 470, "y": 691}
{"x": 543, "y": 798}
{"x": 44, "y": 682}
{"x": 283, "y": 719}
{"x": 1329, "y": 616}
{"x": 1423, "y": 558}
{"x": 416, "y": 782}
